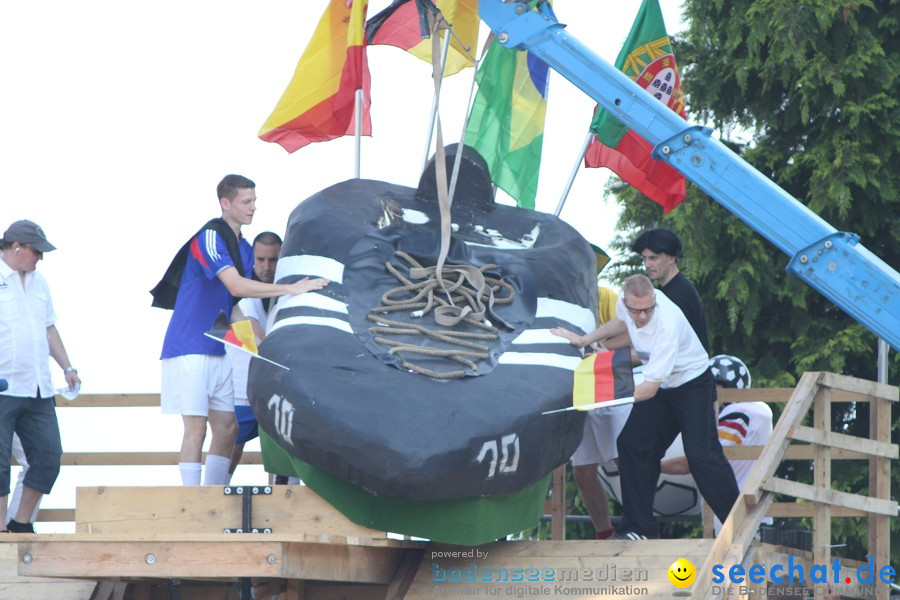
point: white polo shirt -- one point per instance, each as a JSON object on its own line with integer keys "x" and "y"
{"x": 25, "y": 314}
{"x": 667, "y": 345}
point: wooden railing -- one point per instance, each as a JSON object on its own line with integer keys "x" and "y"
{"x": 821, "y": 502}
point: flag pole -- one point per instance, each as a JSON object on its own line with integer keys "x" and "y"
{"x": 462, "y": 137}
{"x": 595, "y": 405}
{"x": 358, "y": 133}
{"x": 568, "y": 188}
{"x": 434, "y": 101}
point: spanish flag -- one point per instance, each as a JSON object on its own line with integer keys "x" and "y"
{"x": 405, "y": 24}
{"x": 318, "y": 104}
{"x": 604, "y": 379}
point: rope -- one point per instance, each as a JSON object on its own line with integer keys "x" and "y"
{"x": 465, "y": 295}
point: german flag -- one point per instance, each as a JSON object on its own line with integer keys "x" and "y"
{"x": 318, "y": 104}
{"x": 405, "y": 24}
{"x": 603, "y": 379}
{"x": 239, "y": 333}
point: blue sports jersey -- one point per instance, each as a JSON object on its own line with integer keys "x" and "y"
{"x": 202, "y": 296}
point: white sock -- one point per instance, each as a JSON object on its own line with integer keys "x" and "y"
{"x": 190, "y": 473}
{"x": 216, "y": 469}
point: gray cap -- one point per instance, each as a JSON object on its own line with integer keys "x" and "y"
{"x": 28, "y": 232}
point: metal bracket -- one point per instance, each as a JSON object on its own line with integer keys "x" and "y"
{"x": 246, "y": 492}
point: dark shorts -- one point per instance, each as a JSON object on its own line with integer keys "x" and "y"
{"x": 34, "y": 419}
{"x": 248, "y": 428}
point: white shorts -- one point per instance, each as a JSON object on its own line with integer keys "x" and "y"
{"x": 194, "y": 384}
{"x": 601, "y": 430}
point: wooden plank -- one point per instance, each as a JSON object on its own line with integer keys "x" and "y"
{"x": 866, "y": 447}
{"x": 880, "y": 486}
{"x": 808, "y": 509}
{"x": 404, "y": 576}
{"x": 327, "y": 562}
{"x": 558, "y": 504}
{"x": 793, "y": 452}
{"x": 782, "y": 395}
{"x": 206, "y": 509}
{"x": 14, "y": 586}
{"x": 779, "y": 441}
{"x": 151, "y": 559}
{"x": 821, "y": 479}
{"x": 732, "y": 543}
{"x": 861, "y": 386}
{"x": 103, "y": 459}
{"x": 832, "y": 497}
{"x": 110, "y": 401}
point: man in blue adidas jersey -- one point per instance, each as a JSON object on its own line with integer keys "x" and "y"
{"x": 207, "y": 275}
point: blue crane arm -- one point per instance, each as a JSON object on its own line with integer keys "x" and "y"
{"x": 832, "y": 262}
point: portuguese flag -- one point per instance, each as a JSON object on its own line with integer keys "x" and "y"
{"x": 318, "y": 104}
{"x": 646, "y": 58}
{"x": 604, "y": 379}
{"x": 404, "y": 24}
{"x": 507, "y": 121}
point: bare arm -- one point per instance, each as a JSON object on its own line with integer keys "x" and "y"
{"x": 611, "y": 328}
{"x": 645, "y": 391}
{"x": 58, "y": 352}
{"x": 675, "y": 466}
{"x": 241, "y": 287}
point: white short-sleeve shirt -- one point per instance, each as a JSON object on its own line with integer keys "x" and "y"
{"x": 667, "y": 345}
{"x": 26, "y": 311}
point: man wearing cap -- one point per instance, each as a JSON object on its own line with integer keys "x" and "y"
{"x": 28, "y": 337}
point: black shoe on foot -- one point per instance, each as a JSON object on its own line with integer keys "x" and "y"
{"x": 629, "y": 535}
{"x": 15, "y": 527}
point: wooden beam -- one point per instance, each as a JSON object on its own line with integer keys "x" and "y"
{"x": 808, "y": 509}
{"x": 880, "y": 486}
{"x": 793, "y": 452}
{"x": 110, "y": 401}
{"x": 103, "y": 459}
{"x": 558, "y": 504}
{"x": 779, "y": 441}
{"x": 782, "y": 395}
{"x": 821, "y": 478}
{"x": 206, "y": 509}
{"x": 832, "y": 497}
{"x": 861, "y": 386}
{"x": 215, "y": 557}
{"x": 868, "y": 448}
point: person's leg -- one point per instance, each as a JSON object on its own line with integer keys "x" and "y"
{"x": 637, "y": 445}
{"x": 191, "y": 449}
{"x": 712, "y": 473}
{"x": 16, "y": 499}
{"x": 38, "y": 430}
{"x": 585, "y": 461}
{"x": 594, "y": 497}
{"x": 9, "y": 411}
{"x": 218, "y": 460}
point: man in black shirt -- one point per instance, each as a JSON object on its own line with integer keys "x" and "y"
{"x": 660, "y": 250}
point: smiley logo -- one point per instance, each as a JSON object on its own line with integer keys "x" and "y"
{"x": 682, "y": 573}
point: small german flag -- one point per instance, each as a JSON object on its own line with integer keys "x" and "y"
{"x": 603, "y": 379}
{"x": 239, "y": 333}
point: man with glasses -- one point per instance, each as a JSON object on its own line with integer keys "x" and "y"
{"x": 28, "y": 338}
{"x": 676, "y": 396}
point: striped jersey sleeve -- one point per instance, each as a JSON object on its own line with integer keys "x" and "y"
{"x": 733, "y": 427}
{"x": 211, "y": 253}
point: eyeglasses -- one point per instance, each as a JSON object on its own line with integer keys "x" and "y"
{"x": 636, "y": 311}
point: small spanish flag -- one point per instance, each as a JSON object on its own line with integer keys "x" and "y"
{"x": 238, "y": 335}
{"x": 603, "y": 379}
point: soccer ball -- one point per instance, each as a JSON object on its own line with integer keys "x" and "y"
{"x": 730, "y": 371}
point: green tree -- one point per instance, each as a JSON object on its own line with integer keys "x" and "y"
{"x": 806, "y": 91}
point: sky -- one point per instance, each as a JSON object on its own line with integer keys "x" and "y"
{"x": 118, "y": 120}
